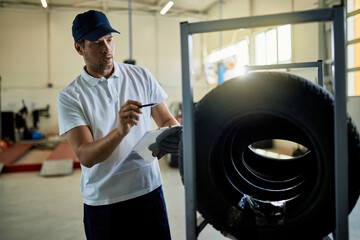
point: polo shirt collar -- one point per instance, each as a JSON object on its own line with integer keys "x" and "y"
{"x": 95, "y": 81}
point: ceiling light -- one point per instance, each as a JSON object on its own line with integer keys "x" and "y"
{"x": 44, "y": 3}
{"x": 167, "y": 7}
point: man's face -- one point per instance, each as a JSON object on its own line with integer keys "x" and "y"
{"x": 99, "y": 55}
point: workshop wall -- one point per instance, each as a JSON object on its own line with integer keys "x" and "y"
{"x": 27, "y": 67}
{"x": 23, "y": 63}
{"x": 169, "y": 59}
{"x": 304, "y": 49}
{"x": 305, "y": 37}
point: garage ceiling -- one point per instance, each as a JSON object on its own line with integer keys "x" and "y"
{"x": 147, "y": 6}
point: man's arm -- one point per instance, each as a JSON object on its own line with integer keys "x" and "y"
{"x": 90, "y": 152}
{"x": 162, "y": 116}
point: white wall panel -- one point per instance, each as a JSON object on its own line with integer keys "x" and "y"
{"x": 24, "y": 55}
{"x": 23, "y": 60}
{"x": 156, "y": 45}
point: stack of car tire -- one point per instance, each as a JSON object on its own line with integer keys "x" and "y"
{"x": 250, "y": 196}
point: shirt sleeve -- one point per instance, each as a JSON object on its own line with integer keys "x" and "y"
{"x": 70, "y": 114}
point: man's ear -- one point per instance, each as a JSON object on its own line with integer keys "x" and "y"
{"x": 78, "y": 48}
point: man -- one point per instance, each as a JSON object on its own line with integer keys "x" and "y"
{"x": 101, "y": 115}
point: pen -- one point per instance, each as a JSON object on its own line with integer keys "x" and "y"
{"x": 147, "y": 105}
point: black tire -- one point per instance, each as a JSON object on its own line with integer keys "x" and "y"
{"x": 250, "y": 196}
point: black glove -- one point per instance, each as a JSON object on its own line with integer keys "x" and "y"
{"x": 167, "y": 142}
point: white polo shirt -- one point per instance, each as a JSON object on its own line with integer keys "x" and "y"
{"x": 95, "y": 103}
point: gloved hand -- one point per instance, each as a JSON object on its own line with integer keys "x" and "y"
{"x": 167, "y": 142}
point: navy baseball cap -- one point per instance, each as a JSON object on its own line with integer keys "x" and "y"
{"x": 91, "y": 25}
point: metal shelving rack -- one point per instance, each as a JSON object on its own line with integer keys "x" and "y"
{"x": 336, "y": 15}
{"x": 318, "y": 64}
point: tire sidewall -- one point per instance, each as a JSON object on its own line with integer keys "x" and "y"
{"x": 284, "y": 96}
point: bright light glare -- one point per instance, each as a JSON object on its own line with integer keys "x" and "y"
{"x": 260, "y": 49}
{"x": 233, "y": 57}
{"x": 271, "y": 47}
{"x": 44, "y": 3}
{"x": 351, "y": 84}
{"x": 351, "y": 55}
{"x": 167, "y": 7}
{"x": 350, "y": 5}
{"x": 350, "y": 28}
{"x": 284, "y": 43}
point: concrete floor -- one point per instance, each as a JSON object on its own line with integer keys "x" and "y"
{"x": 33, "y": 207}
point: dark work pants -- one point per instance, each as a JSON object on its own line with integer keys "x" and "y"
{"x": 144, "y": 217}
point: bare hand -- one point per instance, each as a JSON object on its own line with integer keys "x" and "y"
{"x": 129, "y": 116}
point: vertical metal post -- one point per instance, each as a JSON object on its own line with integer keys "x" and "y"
{"x": 188, "y": 133}
{"x": 130, "y": 31}
{"x": 0, "y": 115}
{"x": 221, "y": 68}
{"x": 220, "y": 17}
{"x": 48, "y": 40}
{"x": 320, "y": 73}
{"x": 340, "y": 126}
{"x": 322, "y": 34}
